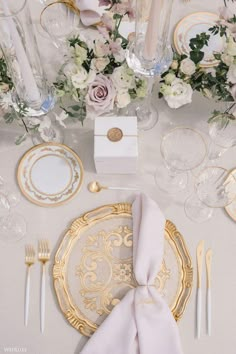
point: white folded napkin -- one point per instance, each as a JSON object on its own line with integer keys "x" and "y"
{"x": 88, "y": 15}
{"x": 142, "y": 322}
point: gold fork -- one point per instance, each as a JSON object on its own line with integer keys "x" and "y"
{"x": 29, "y": 261}
{"x": 43, "y": 257}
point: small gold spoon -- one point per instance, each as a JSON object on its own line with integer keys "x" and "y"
{"x": 96, "y": 187}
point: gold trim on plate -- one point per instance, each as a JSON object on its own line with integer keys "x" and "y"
{"x": 70, "y": 310}
{"x": 175, "y": 39}
{"x": 20, "y": 171}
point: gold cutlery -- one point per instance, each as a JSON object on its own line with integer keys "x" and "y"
{"x": 29, "y": 261}
{"x": 200, "y": 250}
{"x": 43, "y": 257}
{"x": 96, "y": 187}
{"x": 208, "y": 270}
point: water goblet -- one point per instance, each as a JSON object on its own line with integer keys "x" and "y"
{"x": 223, "y": 136}
{"x": 182, "y": 150}
{"x": 59, "y": 21}
{"x": 215, "y": 187}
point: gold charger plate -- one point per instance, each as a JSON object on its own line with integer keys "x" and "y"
{"x": 194, "y": 24}
{"x": 93, "y": 267}
{"x": 50, "y": 174}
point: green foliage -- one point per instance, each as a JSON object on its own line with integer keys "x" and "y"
{"x": 196, "y": 44}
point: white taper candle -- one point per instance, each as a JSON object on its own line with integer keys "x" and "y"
{"x": 151, "y": 38}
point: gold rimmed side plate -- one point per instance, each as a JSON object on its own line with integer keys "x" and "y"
{"x": 192, "y": 25}
{"x": 50, "y": 174}
{"x": 93, "y": 267}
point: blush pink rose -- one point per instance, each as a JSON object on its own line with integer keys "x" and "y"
{"x": 100, "y": 97}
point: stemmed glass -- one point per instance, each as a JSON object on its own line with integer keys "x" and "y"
{"x": 182, "y": 150}
{"x": 12, "y": 224}
{"x": 215, "y": 187}
{"x": 223, "y": 136}
{"x": 60, "y": 21}
{"x": 150, "y": 53}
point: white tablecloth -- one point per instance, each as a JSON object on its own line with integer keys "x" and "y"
{"x": 219, "y": 232}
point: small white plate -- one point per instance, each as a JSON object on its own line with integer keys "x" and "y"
{"x": 50, "y": 174}
{"x": 192, "y": 25}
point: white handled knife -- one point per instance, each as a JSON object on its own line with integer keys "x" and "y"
{"x": 200, "y": 250}
{"x": 208, "y": 270}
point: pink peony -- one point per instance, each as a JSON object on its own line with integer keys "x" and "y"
{"x": 100, "y": 97}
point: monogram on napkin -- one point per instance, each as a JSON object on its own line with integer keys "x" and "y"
{"x": 142, "y": 322}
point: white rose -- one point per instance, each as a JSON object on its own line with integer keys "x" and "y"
{"x": 123, "y": 99}
{"x": 70, "y": 69}
{"x": 169, "y": 78}
{"x": 123, "y": 78}
{"x": 231, "y": 47}
{"x": 82, "y": 78}
{"x": 181, "y": 94}
{"x": 188, "y": 67}
{"x": 227, "y": 59}
{"x": 99, "y": 64}
{"x": 231, "y": 75}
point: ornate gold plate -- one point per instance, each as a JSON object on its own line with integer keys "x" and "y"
{"x": 194, "y": 24}
{"x": 50, "y": 174}
{"x": 93, "y": 267}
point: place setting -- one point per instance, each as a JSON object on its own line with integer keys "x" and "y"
{"x": 130, "y": 266}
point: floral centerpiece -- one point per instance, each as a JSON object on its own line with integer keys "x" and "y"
{"x": 96, "y": 76}
{"x": 187, "y": 75}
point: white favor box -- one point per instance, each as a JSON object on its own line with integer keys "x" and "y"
{"x": 116, "y": 145}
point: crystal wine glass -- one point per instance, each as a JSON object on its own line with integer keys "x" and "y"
{"x": 215, "y": 187}
{"x": 182, "y": 150}
{"x": 59, "y": 21}
{"x": 223, "y": 136}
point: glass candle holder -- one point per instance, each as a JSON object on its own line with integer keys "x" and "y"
{"x": 150, "y": 53}
{"x": 21, "y": 52}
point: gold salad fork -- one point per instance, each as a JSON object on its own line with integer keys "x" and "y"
{"x": 29, "y": 261}
{"x": 43, "y": 257}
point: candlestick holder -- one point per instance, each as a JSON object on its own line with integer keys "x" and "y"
{"x": 150, "y": 53}
{"x": 31, "y": 92}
